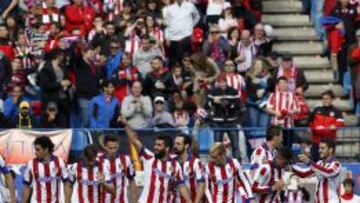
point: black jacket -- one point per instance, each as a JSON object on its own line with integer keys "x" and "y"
{"x": 229, "y": 110}
{"x": 150, "y": 84}
{"x": 59, "y": 122}
{"x": 87, "y": 79}
{"x": 5, "y": 74}
{"x": 48, "y": 83}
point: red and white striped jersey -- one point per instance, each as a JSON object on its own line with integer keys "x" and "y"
{"x": 121, "y": 172}
{"x": 85, "y": 179}
{"x": 161, "y": 178}
{"x": 263, "y": 179}
{"x": 44, "y": 178}
{"x": 262, "y": 154}
{"x": 285, "y": 103}
{"x": 236, "y": 81}
{"x": 328, "y": 180}
{"x": 222, "y": 182}
{"x": 294, "y": 196}
{"x": 193, "y": 174}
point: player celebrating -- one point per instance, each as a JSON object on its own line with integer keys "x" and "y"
{"x": 161, "y": 174}
{"x": 44, "y": 173}
{"x": 88, "y": 177}
{"x": 327, "y": 171}
{"x": 192, "y": 168}
{"x": 222, "y": 175}
{"x": 9, "y": 182}
{"x": 121, "y": 171}
{"x": 267, "y": 179}
{"x": 266, "y": 152}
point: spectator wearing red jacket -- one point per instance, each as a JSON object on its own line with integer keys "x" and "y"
{"x": 323, "y": 121}
{"x": 77, "y": 15}
{"x": 5, "y": 45}
{"x": 124, "y": 76}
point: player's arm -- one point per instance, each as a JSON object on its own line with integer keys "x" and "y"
{"x": 10, "y": 185}
{"x": 133, "y": 191}
{"x": 245, "y": 182}
{"x": 26, "y": 194}
{"x": 28, "y": 178}
{"x": 67, "y": 192}
{"x": 200, "y": 178}
{"x": 260, "y": 177}
{"x": 106, "y": 182}
{"x": 132, "y": 135}
{"x": 327, "y": 171}
{"x": 184, "y": 192}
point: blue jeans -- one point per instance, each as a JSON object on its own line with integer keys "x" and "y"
{"x": 83, "y": 111}
{"x": 257, "y": 118}
{"x": 316, "y": 14}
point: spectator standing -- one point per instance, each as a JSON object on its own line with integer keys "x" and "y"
{"x": 234, "y": 79}
{"x": 233, "y": 36}
{"x": 296, "y": 81}
{"x": 78, "y": 15}
{"x": 144, "y": 56}
{"x": 282, "y": 105}
{"x": 136, "y": 108}
{"x": 52, "y": 118}
{"x": 161, "y": 117}
{"x": 213, "y": 11}
{"x": 5, "y": 73}
{"x": 246, "y": 52}
{"x": 261, "y": 39}
{"x": 88, "y": 77}
{"x": 180, "y": 19}
{"x": 257, "y": 86}
{"x": 114, "y": 59}
{"x": 103, "y": 107}
{"x": 323, "y": 121}
{"x": 124, "y": 76}
{"x": 354, "y": 65}
{"x": 154, "y": 31}
{"x": 228, "y": 20}
{"x": 225, "y": 107}
{"x": 216, "y": 46}
{"x": 5, "y": 44}
{"x": 158, "y": 80}
{"x": 54, "y": 83}
{"x": 104, "y": 40}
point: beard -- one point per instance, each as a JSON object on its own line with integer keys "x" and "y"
{"x": 160, "y": 154}
{"x": 178, "y": 152}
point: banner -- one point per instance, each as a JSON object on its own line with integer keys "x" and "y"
{"x": 17, "y": 145}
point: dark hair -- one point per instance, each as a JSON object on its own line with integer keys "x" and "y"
{"x": 329, "y": 93}
{"x": 280, "y": 79}
{"x": 187, "y": 138}
{"x": 286, "y": 153}
{"x": 231, "y": 30}
{"x": 91, "y": 151}
{"x": 111, "y": 138}
{"x": 146, "y": 37}
{"x": 176, "y": 65}
{"x": 109, "y": 23}
{"x": 167, "y": 140}
{"x": 330, "y": 143}
{"x": 45, "y": 143}
{"x": 349, "y": 181}
{"x": 54, "y": 54}
{"x": 106, "y": 83}
{"x": 157, "y": 58}
{"x": 273, "y": 131}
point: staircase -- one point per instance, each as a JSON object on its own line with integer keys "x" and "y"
{"x": 294, "y": 33}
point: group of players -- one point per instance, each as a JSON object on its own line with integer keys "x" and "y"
{"x": 173, "y": 174}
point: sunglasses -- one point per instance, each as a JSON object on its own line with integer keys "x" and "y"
{"x": 215, "y": 32}
{"x": 114, "y": 47}
{"x": 229, "y": 65}
{"x": 51, "y": 109}
{"x": 159, "y": 102}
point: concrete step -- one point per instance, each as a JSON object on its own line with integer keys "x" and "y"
{"x": 281, "y": 6}
{"x": 317, "y": 90}
{"x": 342, "y": 104}
{"x": 298, "y": 48}
{"x": 318, "y": 76}
{"x": 286, "y": 20}
{"x": 312, "y": 62}
{"x": 348, "y": 150}
{"x": 295, "y": 34}
{"x": 351, "y": 120}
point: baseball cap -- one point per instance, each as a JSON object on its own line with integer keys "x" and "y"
{"x": 226, "y": 5}
{"x": 52, "y": 105}
{"x": 159, "y": 98}
{"x": 24, "y": 104}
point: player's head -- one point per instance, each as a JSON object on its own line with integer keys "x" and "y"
{"x": 90, "y": 153}
{"x": 182, "y": 143}
{"x": 275, "y": 135}
{"x": 326, "y": 148}
{"x": 218, "y": 153}
{"x": 163, "y": 145}
{"x": 111, "y": 144}
{"x": 283, "y": 157}
{"x": 43, "y": 147}
{"x": 348, "y": 185}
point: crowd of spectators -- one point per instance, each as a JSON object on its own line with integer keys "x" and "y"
{"x": 173, "y": 64}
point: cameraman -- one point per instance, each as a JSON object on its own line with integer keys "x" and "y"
{"x": 225, "y": 107}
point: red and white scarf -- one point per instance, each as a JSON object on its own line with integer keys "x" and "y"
{"x": 46, "y": 17}
{"x": 24, "y": 55}
{"x": 133, "y": 43}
